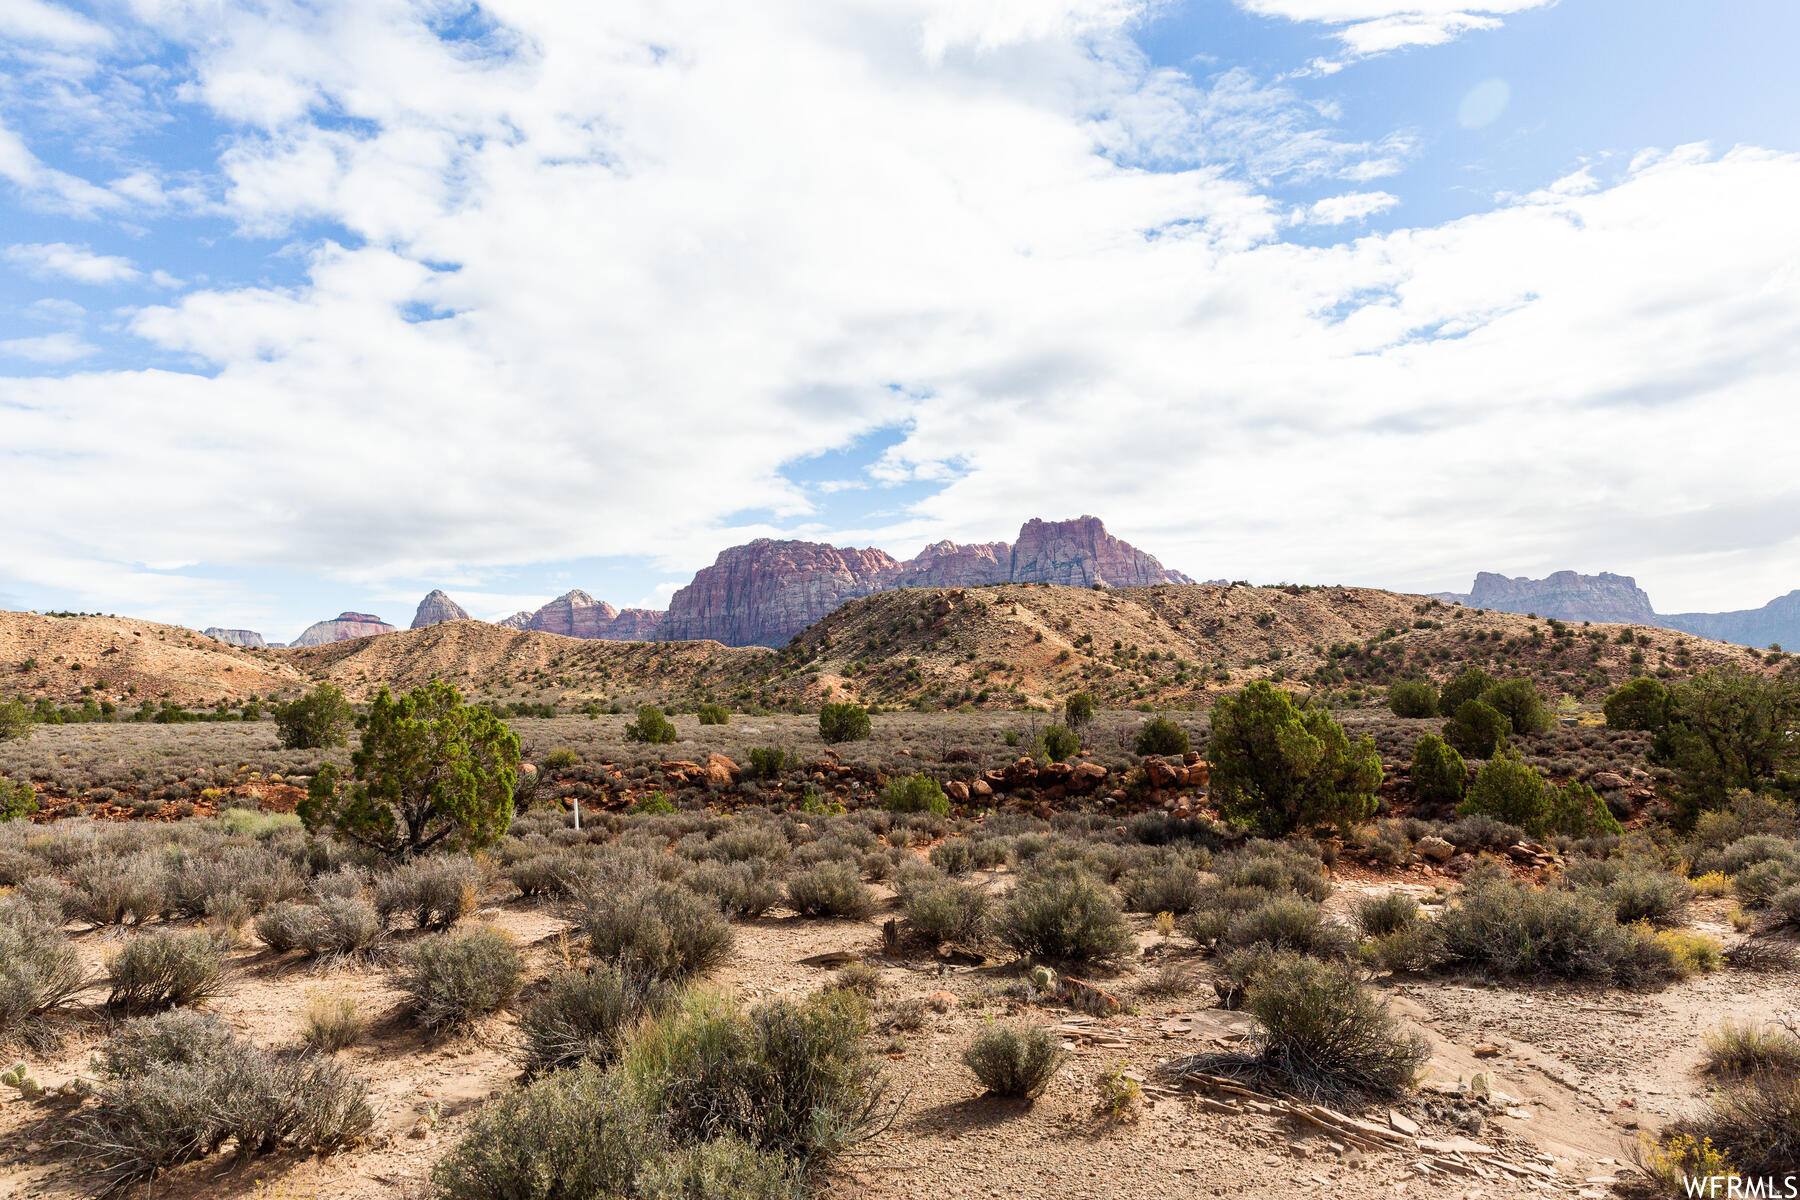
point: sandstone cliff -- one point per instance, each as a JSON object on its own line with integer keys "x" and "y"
{"x": 1567, "y": 596}
{"x": 437, "y": 608}
{"x": 947, "y": 564}
{"x": 341, "y": 628}
{"x": 1775, "y": 623}
{"x": 519, "y": 620}
{"x": 577, "y": 614}
{"x": 1081, "y": 553}
{"x": 764, "y": 593}
{"x": 235, "y": 637}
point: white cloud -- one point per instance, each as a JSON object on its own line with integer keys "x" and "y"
{"x": 78, "y": 263}
{"x": 1368, "y": 27}
{"x": 50, "y": 24}
{"x": 1352, "y": 206}
{"x": 48, "y": 187}
{"x": 50, "y": 349}
{"x": 584, "y": 286}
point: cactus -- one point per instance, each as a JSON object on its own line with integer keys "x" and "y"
{"x": 19, "y": 1076}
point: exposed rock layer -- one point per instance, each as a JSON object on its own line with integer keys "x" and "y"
{"x": 577, "y": 614}
{"x": 344, "y": 626}
{"x": 437, "y": 608}
{"x": 235, "y": 637}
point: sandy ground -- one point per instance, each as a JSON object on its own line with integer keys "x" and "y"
{"x": 1579, "y": 1073}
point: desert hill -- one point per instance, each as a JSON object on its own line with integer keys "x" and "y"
{"x": 129, "y": 661}
{"x": 1174, "y": 643}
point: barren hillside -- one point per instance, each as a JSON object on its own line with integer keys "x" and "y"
{"x": 1176, "y": 643}
{"x": 128, "y": 661}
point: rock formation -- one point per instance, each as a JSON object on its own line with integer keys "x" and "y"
{"x": 437, "y": 608}
{"x": 341, "y": 628}
{"x": 1081, "y": 553}
{"x": 519, "y": 620}
{"x": 1566, "y": 596}
{"x": 947, "y": 564}
{"x": 577, "y": 614}
{"x": 235, "y": 637}
{"x": 764, "y": 593}
{"x": 1776, "y": 623}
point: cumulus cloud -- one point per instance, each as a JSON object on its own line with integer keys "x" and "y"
{"x": 50, "y": 349}
{"x": 582, "y": 283}
{"x": 78, "y": 263}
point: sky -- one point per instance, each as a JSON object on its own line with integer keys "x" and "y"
{"x": 311, "y": 306}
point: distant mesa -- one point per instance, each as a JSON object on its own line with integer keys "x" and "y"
{"x": 1569, "y": 596}
{"x": 577, "y": 614}
{"x": 235, "y": 637}
{"x": 342, "y": 628}
{"x": 436, "y": 608}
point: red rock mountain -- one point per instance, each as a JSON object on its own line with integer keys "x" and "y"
{"x": 577, "y": 614}
{"x": 763, "y": 593}
{"x": 341, "y": 628}
{"x": 436, "y": 608}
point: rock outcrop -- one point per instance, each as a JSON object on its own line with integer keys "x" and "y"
{"x": 1081, "y": 553}
{"x": 519, "y": 620}
{"x": 577, "y": 614}
{"x": 1776, "y": 623}
{"x": 235, "y": 637}
{"x": 947, "y": 564}
{"x": 341, "y": 628}
{"x": 763, "y": 593}
{"x": 1566, "y": 596}
{"x": 437, "y": 608}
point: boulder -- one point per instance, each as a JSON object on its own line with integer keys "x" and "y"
{"x": 720, "y": 771}
{"x": 1435, "y": 848}
{"x": 1086, "y": 777}
{"x": 1161, "y": 774}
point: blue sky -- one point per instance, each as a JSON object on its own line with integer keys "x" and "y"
{"x": 315, "y": 306}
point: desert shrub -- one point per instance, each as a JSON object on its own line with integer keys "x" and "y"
{"x": 832, "y": 889}
{"x": 1754, "y": 1128}
{"x": 1281, "y": 766}
{"x": 331, "y": 1023}
{"x": 316, "y": 721}
{"x": 843, "y": 722}
{"x": 1014, "y": 1060}
{"x": 1413, "y": 698}
{"x": 651, "y": 726}
{"x": 654, "y": 804}
{"x": 1575, "y": 809}
{"x": 1515, "y": 930}
{"x": 1417, "y": 946}
{"x": 40, "y": 972}
{"x": 285, "y": 926}
{"x": 435, "y": 892}
{"x": 1518, "y": 701}
{"x": 768, "y": 762}
{"x": 1160, "y": 735}
{"x": 953, "y": 856}
{"x": 452, "y": 979}
{"x": 1469, "y": 685}
{"x": 1060, "y": 743}
{"x": 915, "y": 793}
{"x": 745, "y": 889}
{"x": 1690, "y": 952}
{"x": 1390, "y": 912}
{"x": 184, "y": 1085}
{"x": 1324, "y": 1035}
{"x": 1640, "y": 891}
{"x": 1064, "y": 915}
{"x": 17, "y": 799}
{"x": 1738, "y": 1051}
{"x": 1641, "y": 703}
{"x": 1078, "y": 711}
{"x": 583, "y": 1016}
{"x": 560, "y": 759}
{"x": 253, "y": 874}
{"x": 1288, "y": 923}
{"x": 429, "y": 771}
{"x": 1509, "y": 789}
{"x": 947, "y": 911}
{"x": 788, "y": 1077}
{"x": 1170, "y": 884}
{"x": 748, "y": 843}
{"x": 15, "y": 720}
{"x": 714, "y": 714}
{"x": 586, "y": 1135}
{"x": 342, "y": 926}
{"x": 1439, "y": 774}
{"x": 1275, "y": 867}
{"x": 1757, "y": 886}
{"x": 114, "y": 890}
{"x": 1476, "y": 728}
{"x": 552, "y": 873}
{"x": 665, "y": 931}
{"x": 166, "y": 969}
{"x": 1784, "y": 907}
{"x": 1483, "y": 832}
